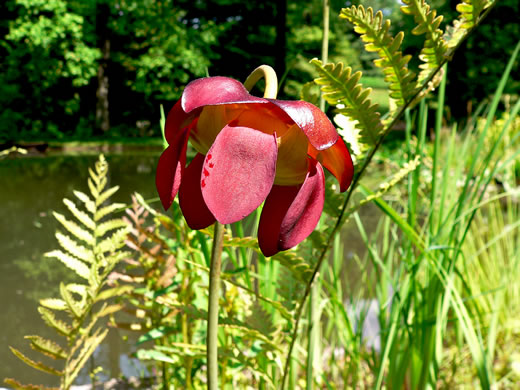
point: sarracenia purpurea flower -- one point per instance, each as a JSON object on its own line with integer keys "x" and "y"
{"x": 250, "y": 150}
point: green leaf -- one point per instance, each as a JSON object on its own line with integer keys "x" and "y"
{"x": 18, "y": 386}
{"x": 38, "y": 365}
{"x": 54, "y": 304}
{"x": 80, "y": 215}
{"x": 74, "y": 248}
{"x": 108, "y": 210}
{"x": 71, "y": 262}
{"x": 48, "y": 347}
{"x": 51, "y": 320}
{"x": 107, "y": 226}
{"x": 340, "y": 86}
{"x": 374, "y": 31}
{"x": 105, "y": 195}
{"x": 74, "y": 306}
{"x": 74, "y": 229}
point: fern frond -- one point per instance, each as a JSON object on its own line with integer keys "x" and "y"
{"x": 53, "y": 304}
{"x": 47, "y": 347}
{"x": 38, "y": 365}
{"x": 103, "y": 228}
{"x": 76, "y": 250}
{"x": 71, "y": 262}
{"x": 105, "y": 195}
{"x": 340, "y": 86}
{"x": 89, "y": 346}
{"x": 74, "y": 229}
{"x": 18, "y": 386}
{"x": 89, "y": 204}
{"x": 107, "y": 210}
{"x": 113, "y": 242}
{"x": 51, "y": 320}
{"x": 374, "y": 31}
{"x": 435, "y": 47}
{"x": 75, "y": 307}
{"x": 80, "y": 215}
{"x": 470, "y": 12}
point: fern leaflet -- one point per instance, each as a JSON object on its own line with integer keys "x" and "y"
{"x": 435, "y": 47}
{"x": 340, "y": 86}
{"x": 374, "y": 33}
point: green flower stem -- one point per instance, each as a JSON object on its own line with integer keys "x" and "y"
{"x": 214, "y": 293}
{"x": 271, "y": 81}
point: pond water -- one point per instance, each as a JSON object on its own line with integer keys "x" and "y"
{"x": 31, "y": 187}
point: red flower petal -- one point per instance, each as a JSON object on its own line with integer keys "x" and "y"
{"x": 192, "y": 203}
{"x": 176, "y": 121}
{"x": 337, "y": 160}
{"x": 314, "y": 123}
{"x": 215, "y": 90}
{"x": 238, "y": 172}
{"x": 170, "y": 169}
{"x": 291, "y": 213}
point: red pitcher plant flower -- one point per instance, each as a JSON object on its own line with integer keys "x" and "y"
{"x": 250, "y": 150}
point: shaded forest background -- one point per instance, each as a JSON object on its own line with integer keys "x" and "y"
{"x": 90, "y": 69}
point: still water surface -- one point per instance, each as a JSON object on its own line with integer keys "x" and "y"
{"x": 31, "y": 187}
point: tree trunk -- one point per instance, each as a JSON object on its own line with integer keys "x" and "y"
{"x": 102, "y": 112}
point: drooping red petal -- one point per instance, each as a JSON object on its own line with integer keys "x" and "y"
{"x": 176, "y": 122}
{"x": 291, "y": 213}
{"x": 170, "y": 169}
{"x": 337, "y": 160}
{"x": 238, "y": 172}
{"x": 192, "y": 203}
{"x": 215, "y": 90}
{"x": 314, "y": 123}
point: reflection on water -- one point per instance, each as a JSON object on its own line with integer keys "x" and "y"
{"x": 31, "y": 187}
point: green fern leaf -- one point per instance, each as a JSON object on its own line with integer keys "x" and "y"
{"x": 470, "y": 12}
{"x": 105, "y": 195}
{"x": 71, "y": 262}
{"x": 74, "y": 248}
{"x": 89, "y": 346}
{"x": 114, "y": 292}
{"x": 18, "y": 386}
{"x": 108, "y": 210}
{"x": 92, "y": 188}
{"x": 74, "y": 229}
{"x": 374, "y": 31}
{"x": 103, "y": 228}
{"x": 53, "y": 304}
{"x": 51, "y": 320}
{"x": 435, "y": 47}
{"x": 74, "y": 306}
{"x": 80, "y": 215}
{"x": 114, "y": 242}
{"x": 340, "y": 86}
{"x": 38, "y": 365}
{"x": 89, "y": 204}
{"x": 47, "y": 347}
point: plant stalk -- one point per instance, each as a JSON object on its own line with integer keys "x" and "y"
{"x": 214, "y": 294}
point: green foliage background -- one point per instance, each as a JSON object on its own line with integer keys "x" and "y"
{"x": 52, "y": 52}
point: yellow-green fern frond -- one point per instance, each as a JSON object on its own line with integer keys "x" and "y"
{"x": 470, "y": 12}
{"x": 71, "y": 262}
{"x": 435, "y": 47}
{"x": 340, "y": 86}
{"x": 374, "y": 31}
{"x": 47, "y": 347}
{"x": 38, "y": 365}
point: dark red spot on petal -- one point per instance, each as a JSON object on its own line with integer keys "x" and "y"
{"x": 205, "y": 172}
{"x": 211, "y": 165}
{"x": 208, "y": 157}
{"x": 203, "y": 183}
